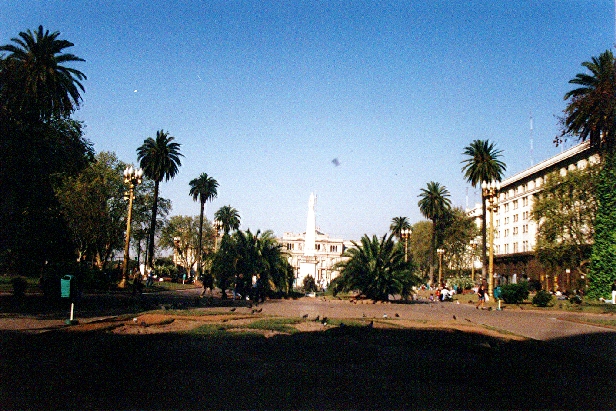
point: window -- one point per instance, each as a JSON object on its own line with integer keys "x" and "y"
{"x": 506, "y": 220}
{"x": 525, "y": 228}
{"x": 515, "y": 204}
{"x": 515, "y": 218}
{"x": 515, "y": 247}
{"x": 524, "y": 245}
{"x": 515, "y": 230}
{"x": 507, "y": 233}
{"x": 525, "y": 201}
{"x": 506, "y": 248}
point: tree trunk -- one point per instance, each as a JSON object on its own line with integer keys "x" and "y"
{"x": 484, "y": 245}
{"x": 199, "y": 252}
{"x": 153, "y": 226}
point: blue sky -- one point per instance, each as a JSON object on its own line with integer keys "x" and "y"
{"x": 263, "y": 95}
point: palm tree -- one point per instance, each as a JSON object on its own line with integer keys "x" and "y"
{"x": 203, "y": 188}
{"x": 159, "y": 158}
{"x": 376, "y": 268}
{"x": 591, "y": 115}
{"x": 435, "y": 205}
{"x": 34, "y": 80}
{"x": 591, "y": 111}
{"x": 482, "y": 164}
{"x": 398, "y": 224}
{"x": 229, "y": 218}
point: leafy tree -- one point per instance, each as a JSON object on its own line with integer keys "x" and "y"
{"x": 160, "y": 159}
{"x": 459, "y": 230}
{"x": 94, "y": 207}
{"x": 376, "y": 268}
{"x": 182, "y": 234}
{"x": 420, "y": 245}
{"x": 229, "y": 217}
{"x": 483, "y": 164}
{"x": 565, "y": 212}
{"x": 590, "y": 114}
{"x": 203, "y": 188}
{"x": 435, "y": 205}
{"x": 39, "y": 145}
{"x": 397, "y": 225}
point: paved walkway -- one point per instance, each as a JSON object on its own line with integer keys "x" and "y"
{"x": 561, "y": 328}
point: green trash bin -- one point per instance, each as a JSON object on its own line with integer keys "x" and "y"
{"x": 66, "y": 286}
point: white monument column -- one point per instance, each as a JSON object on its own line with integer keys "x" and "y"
{"x": 308, "y": 264}
{"x": 309, "y": 239}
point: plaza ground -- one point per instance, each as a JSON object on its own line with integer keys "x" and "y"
{"x": 180, "y": 354}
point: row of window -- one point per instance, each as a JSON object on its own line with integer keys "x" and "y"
{"x": 515, "y": 248}
{"x": 317, "y": 247}
{"x": 515, "y": 231}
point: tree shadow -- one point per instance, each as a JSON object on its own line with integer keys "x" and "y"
{"x": 342, "y": 368}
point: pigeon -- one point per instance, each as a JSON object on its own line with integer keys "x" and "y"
{"x": 233, "y": 309}
{"x": 371, "y": 324}
{"x": 385, "y": 316}
{"x": 317, "y": 319}
{"x": 454, "y": 317}
{"x": 397, "y": 315}
{"x": 259, "y": 310}
{"x": 305, "y": 316}
{"x": 363, "y": 315}
{"x": 324, "y": 322}
{"x": 135, "y": 319}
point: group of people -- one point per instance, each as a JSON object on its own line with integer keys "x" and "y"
{"x": 254, "y": 292}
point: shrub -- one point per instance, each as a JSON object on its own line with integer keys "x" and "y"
{"x": 542, "y": 299}
{"x": 514, "y": 293}
{"x": 462, "y": 283}
{"x": 309, "y": 284}
{"x": 575, "y": 299}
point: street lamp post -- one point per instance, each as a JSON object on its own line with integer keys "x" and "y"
{"x": 490, "y": 193}
{"x": 440, "y": 252}
{"x": 132, "y": 177}
{"x": 406, "y": 234}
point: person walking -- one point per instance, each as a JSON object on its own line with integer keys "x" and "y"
{"x": 614, "y": 292}
{"x": 481, "y": 293}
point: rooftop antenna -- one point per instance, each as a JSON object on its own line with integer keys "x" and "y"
{"x": 532, "y": 161}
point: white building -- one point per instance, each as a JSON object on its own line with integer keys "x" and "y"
{"x": 327, "y": 252}
{"x": 514, "y": 230}
{"x": 313, "y": 253}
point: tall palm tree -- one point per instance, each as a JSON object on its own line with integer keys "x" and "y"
{"x": 34, "y": 80}
{"x": 482, "y": 164}
{"x": 398, "y": 224}
{"x": 203, "y": 188}
{"x": 229, "y": 217}
{"x": 435, "y": 205}
{"x": 160, "y": 159}
{"x": 591, "y": 111}
{"x": 591, "y": 115}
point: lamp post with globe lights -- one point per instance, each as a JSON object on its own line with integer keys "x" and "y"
{"x": 440, "y": 252}
{"x": 132, "y": 177}
{"x": 406, "y": 234}
{"x": 490, "y": 193}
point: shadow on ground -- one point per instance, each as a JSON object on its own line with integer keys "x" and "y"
{"x": 341, "y": 368}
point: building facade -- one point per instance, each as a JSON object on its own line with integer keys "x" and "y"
{"x": 327, "y": 252}
{"x": 515, "y": 231}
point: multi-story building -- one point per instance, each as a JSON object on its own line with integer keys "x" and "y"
{"x": 327, "y": 252}
{"x": 514, "y": 230}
